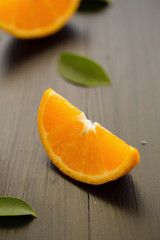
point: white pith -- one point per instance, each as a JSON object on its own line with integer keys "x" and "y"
{"x": 89, "y": 126}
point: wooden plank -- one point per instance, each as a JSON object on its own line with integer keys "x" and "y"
{"x": 129, "y": 48}
{"x": 27, "y": 69}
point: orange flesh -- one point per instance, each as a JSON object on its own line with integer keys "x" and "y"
{"x": 68, "y": 143}
{"x": 23, "y": 17}
{"x": 57, "y": 113}
{"x": 31, "y": 14}
{"x": 88, "y": 152}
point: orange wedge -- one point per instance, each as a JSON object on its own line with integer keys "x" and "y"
{"x": 80, "y": 148}
{"x": 35, "y": 18}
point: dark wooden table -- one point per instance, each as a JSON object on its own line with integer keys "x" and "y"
{"x": 125, "y": 39}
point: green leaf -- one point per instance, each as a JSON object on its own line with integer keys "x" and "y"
{"x": 10, "y": 206}
{"x": 82, "y": 71}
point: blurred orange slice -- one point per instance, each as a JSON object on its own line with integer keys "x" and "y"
{"x": 35, "y": 18}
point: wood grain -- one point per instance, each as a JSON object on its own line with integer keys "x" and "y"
{"x": 124, "y": 38}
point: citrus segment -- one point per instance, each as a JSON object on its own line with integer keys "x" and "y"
{"x": 117, "y": 148}
{"x": 58, "y": 111}
{"x": 70, "y": 133}
{"x": 81, "y": 149}
{"x": 35, "y": 18}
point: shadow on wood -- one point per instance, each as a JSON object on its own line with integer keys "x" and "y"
{"x": 122, "y": 193}
{"x": 12, "y": 222}
{"x": 19, "y": 51}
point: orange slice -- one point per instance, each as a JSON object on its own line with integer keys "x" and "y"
{"x": 35, "y": 18}
{"x": 81, "y": 149}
